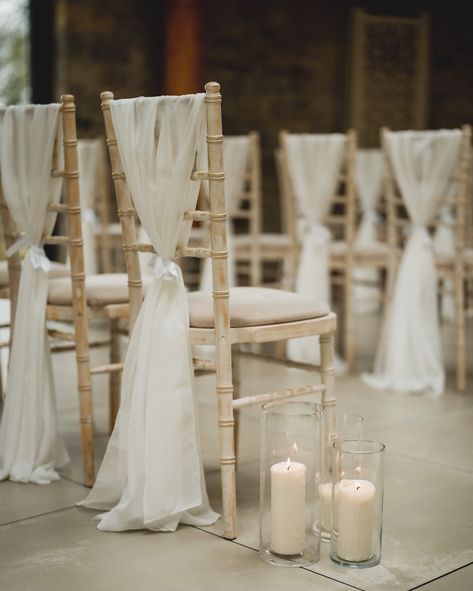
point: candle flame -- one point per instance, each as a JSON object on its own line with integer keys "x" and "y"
{"x": 288, "y": 464}
{"x": 295, "y": 448}
{"x": 358, "y": 469}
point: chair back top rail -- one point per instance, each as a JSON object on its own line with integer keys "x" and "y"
{"x": 398, "y": 220}
{"x": 127, "y": 213}
{"x": 343, "y": 202}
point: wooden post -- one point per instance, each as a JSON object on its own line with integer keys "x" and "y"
{"x": 79, "y": 303}
{"x": 221, "y": 294}
{"x": 350, "y": 228}
{"x": 255, "y": 208}
{"x": 391, "y": 214}
{"x": 290, "y": 214}
{"x": 126, "y": 213}
{"x": 327, "y": 372}
{"x": 103, "y": 206}
{"x": 114, "y": 378}
{"x": 459, "y": 263}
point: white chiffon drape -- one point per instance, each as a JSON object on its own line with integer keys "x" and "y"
{"x": 369, "y": 185}
{"x": 314, "y": 163}
{"x": 236, "y": 154}
{"x": 151, "y": 476}
{"x": 30, "y": 445}
{"x": 409, "y": 353}
{"x": 89, "y": 153}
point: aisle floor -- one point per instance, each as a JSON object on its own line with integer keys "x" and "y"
{"x": 47, "y": 543}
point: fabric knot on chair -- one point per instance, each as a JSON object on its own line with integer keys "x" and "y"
{"x": 321, "y": 233}
{"x": 372, "y": 215}
{"x": 37, "y": 256}
{"x": 163, "y": 267}
{"x": 89, "y": 217}
{"x": 421, "y": 233}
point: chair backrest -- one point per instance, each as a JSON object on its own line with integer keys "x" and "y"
{"x": 67, "y": 167}
{"x": 455, "y": 199}
{"x": 341, "y": 217}
{"x": 10, "y": 235}
{"x": 216, "y": 214}
{"x": 247, "y": 204}
{"x": 242, "y": 158}
{"x": 371, "y": 203}
{"x": 95, "y": 203}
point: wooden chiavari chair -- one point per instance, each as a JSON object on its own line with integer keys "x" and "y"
{"x": 84, "y": 298}
{"x": 251, "y": 247}
{"x": 341, "y": 220}
{"x": 255, "y": 247}
{"x": 10, "y": 270}
{"x": 241, "y": 315}
{"x": 457, "y": 267}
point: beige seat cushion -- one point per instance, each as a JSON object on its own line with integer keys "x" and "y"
{"x": 255, "y": 306}
{"x": 114, "y": 229}
{"x": 447, "y": 260}
{"x": 57, "y": 270}
{"x": 101, "y": 289}
{"x": 338, "y": 248}
{"x": 265, "y": 240}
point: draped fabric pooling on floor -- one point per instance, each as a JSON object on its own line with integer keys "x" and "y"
{"x": 30, "y": 446}
{"x": 314, "y": 163}
{"x": 409, "y": 355}
{"x": 152, "y": 476}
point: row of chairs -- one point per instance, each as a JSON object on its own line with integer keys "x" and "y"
{"x": 253, "y": 315}
{"x": 366, "y": 217}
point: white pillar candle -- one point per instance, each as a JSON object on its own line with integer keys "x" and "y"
{"x": 325, "y": 499}
{"x": 288, "y": 518}
{"x": 356, "y": 503}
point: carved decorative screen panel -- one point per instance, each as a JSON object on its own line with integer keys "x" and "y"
{"x": 388, "y": 82}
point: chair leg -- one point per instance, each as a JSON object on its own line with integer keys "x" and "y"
{"x": 349, "y": 322}
{"x": 327, "y": 371}
{"x": 236, "y": 394}
{"x": 114, "y": 376}
{"x": 226, "y": 426}
{"x": 460, "y": 344}
{"x": 85, "y": 406}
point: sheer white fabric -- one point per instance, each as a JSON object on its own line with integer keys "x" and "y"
{"x": 89, "y": 154}
{"x": 409, "y": 353}
{"x": 151, "y": 476}
{"x": 369, "y": 184}
{"x": 236, "y": 154}
{"x": 30, "y": 445}
{"x": 314, "y": 163}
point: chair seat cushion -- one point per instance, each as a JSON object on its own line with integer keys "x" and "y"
{"x": 255, "y": 306}
{"x": 339, "y": 248}
{"x": 57, "y": 270}
{"x": 101, "y": 290}
{"x": 445, "y": 259}
{"x": 114, "y": 229}
{"x": 265, "y": 240}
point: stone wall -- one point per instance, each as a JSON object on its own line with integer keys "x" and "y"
{"x": 282, "y": 64}
{"x": 108, "y": 45}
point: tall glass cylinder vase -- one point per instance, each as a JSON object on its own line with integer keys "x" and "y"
{"x": 349, "y": 426}
{"x": 291, "y": 465}
{"x": 357, "y": 503}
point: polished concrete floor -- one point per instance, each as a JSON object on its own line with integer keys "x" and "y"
{"x": 47, "y": 543}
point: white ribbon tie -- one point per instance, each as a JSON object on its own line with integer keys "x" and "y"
{"x": 37, "y": 256}
{"x": 163, "y": 267}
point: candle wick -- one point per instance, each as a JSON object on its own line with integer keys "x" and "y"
{"x": 357, "y": 488}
